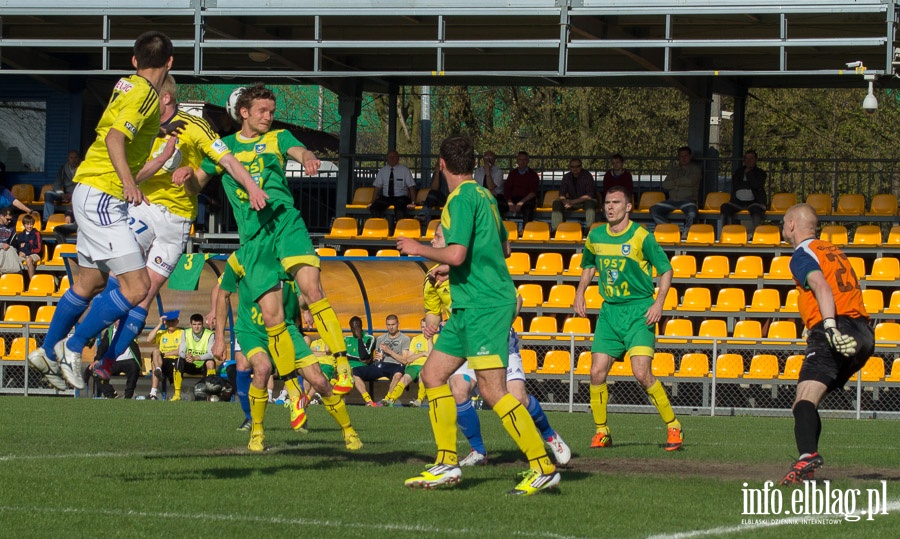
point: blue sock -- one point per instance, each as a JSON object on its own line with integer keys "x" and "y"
{"x": 105, "y": 309}
{"x": 130, "y": 326}
{"x": 540, "y": 418}
{"x": 69, "y": 309}
{"x": 243, "y": 387}
{"x": 470, "y": 425}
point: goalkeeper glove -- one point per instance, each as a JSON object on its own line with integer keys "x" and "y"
{"x": 843, "y": 344}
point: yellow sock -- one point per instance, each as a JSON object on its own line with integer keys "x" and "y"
{"x": 281, "y": 348}
{"x": 366, "y": 397}
{"x": 658, "y": 397}
{"x": 337, "y": 409}
{"x": 442, "y": 412}
{"x": 329, "y": 328}
{"x": 210, "y": 372}
{"x": 176, "y": 382}
{"x": 421, "y": 394}
{"x": 599, "y": 398}
{"x": 259, "y": 398}
{"x": 293, "y": 388}
{"x": 397, "y": 392}
{"x": 518, "y": 423}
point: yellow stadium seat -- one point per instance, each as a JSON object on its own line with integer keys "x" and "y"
{"x": 518, "y": 325}
{"x": 763, "y": 367}
{"x": 58, "y": 251}
{"x": 667, "y": 233}
{"x": 326, "y": 251}
{"x": 851, "y": 204}
{"x": 781, "y": 202}
{"x": 835, "y": 234}
{"x": 791, "y": 300}
{"x": 748, "y": 267}
{"x": 421, "y": 195}
{"x": 695, "y": 299}
{"x": 765, "y": 300}
{"x": 894, "y": 304}
{"x": 11, "y": 284}
{"x": 547, "y": 201}
{"x": 701, "y": 235}
{"x": 512, "y": 230}
{"x": 729, "y": 366}
{"x": 766, "y": 235}
{"x": 887, "y": 332}
{"x": 746, "y": 329}
{"x": 873, "y": 299}
{"x": 54, "y": 221}
{"x": 893, "y": 236}
{"x": 21, "y": 227}
{"x": 895, "y": 372}
{"x": 20, "y": 348}
{"x": 621, "y": 368}
{"x": 593, "y": 299}
{"x": 536, "y": 231}
{"x": 556, "y": 362}
{"x": 568, "y": 232}
{"x": 44, "y": 189}
{"x": 677, "y": 327}
{"x": 532, "y": 294}
{"x": 355, "y": 252}
{"x": 375, "y": 228}
{"x": 779, "y": 268}
{"x": 867, "y": 235}
{"x": 792, "y": 367}
{"x": 683, "y": 266}
{"x": 548, "y": 264}
{"x": 648, "y": 199}
{"x": 529, "y": 360}
{"x": 408, "y": 228}
{"x": 362, "y": 197}
{"x": 574, "y": 268}
{"x": 42, "y": 284}
{"x": 518, "y": 263}
{"x": 432, "y": 226}
{"x": 43, "y": 316}
{"x": 16, "y": 315}
{"x": 343, "y": 227}
{"x": 883, "y": 204}
{"x": 714, "y": 267}
{"x": 63, "y": 286}
{"x": 712, "y": 328}
{"x": 542, "y": 324}
{"x": 782, "y": 329}
{"x": 671, "y": 300}
{"x": 583, "y": 366}
{"x": 730, "y": 300}
{"x": 872, "y": 371}
{"x": 859, "y": 267}
{"x": 884, "y": 269}
{"x": 663, "y": 364}
{"x": 561, "y": 297}
{"x": 387, "y": 252}
{"x": 577, "y": 325}
{"x": 821, "y": 202}
{"x": 714, "y": 201}
{"x": 693, "y": 366}
{"x": 733, "y": 235}
{"x": 24, "y": 192}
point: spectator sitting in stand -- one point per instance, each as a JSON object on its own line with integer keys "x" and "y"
{"x": 61, "y": 192}
{"x": 29, "y": 245}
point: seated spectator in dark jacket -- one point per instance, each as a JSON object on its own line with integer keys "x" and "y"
{"x": 617, "y": 175}
{"x": 748, "y": 192}
{"x": 578, "y": 191}
{"x": 29, "y": 245}
{"x": 521, "y": 189}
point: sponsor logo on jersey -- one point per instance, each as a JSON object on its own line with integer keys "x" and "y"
{"x": 129, "y": 126}
{"x": 218, "y": 146}
{"x": 260, "y": 148}
{"x": 124, "y": 86}
{"x": 626, "y": 249}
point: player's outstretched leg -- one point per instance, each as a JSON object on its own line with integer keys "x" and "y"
{"x": 675, "y": 434}
{"x": 599, "y": 400}
{"x": 519, "y": 425}
{"x": 445, "y": 471}
{"x": 470, "y": 425}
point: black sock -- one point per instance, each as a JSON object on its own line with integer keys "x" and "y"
{"x": 807, "y": 427}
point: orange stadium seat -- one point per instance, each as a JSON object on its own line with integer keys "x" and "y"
{"x": 873, "y": 299}
{"x": 701, "y": 235}
{"x": 542, "y": 324}
{"x": 648, "y": 199}
{"x": 408, "y": 228}
{"x": 621, "y": 368}
{"x": 532, "y": 294}
{"x": 529, "y": 360}
{"x": 667, "y": 233}
{"x": 375, "y": 228}
{"x": 44, "y": 189}
{"x": 746, "y": 329}
{"x": 779, "y": 268}
{"x": 362, "y": 197}
{"x": 791, "y": 301}
{"x": 859, "y": 267}
{"x": 835, "y": 234}
{"x": 58, "y": 251}
{"x": 561, "y": 296}
{"x": 583, "y": 366}
{"x": 677, "y": 327}
{"x": 851, "y": 204}
{"x": 42, "y": 284}
{"x": 16, "y": 315}
{"x": 568, "y": 232}
{"x": 548, "y": 264}
{"x": 355, "y": 252}
{"x": 766, "y": 235}
{"x": 43, "y": 316}
{"x": 730, "y": 300}
{"x": 518, "y": 325}
{"x": 781, "y": 202}
{"x": 547, "y": 200}
{"x": 894, "y": 376}
{"x": 577, "y": 325}
{"x": 733, "y": 235}
{"x": 20, "y": 348}
{"x": 63, "y": 286}
{"x": 714, "y": 201}
{"x": 518, "y": 263}
{"x": 683, "y": 266}
{"x": 884, "y": 269}
{"x": 872, "y": 371}
{"x": 821, "y": 202}
{"x": 782, "y": 329}
{"x": 536, "y": 231}
{"x": 894, "y": 303}
{"x": 574, "y": 268}
{"x": 748, "y": 267}
{"x": 887, "y": 332}
{"x": 893, "y": 236}
{"x": 593, "y": 299}
{"x": 24, "y": 192}
{"x": 729, "y": 366}
{"x": 712, "y": 328}
{"x": 343, "y": 227}
{"x": 387, "y": 252}
{"x": 432, "y": 226}
{"x": 556, "y": 362}
{"x": 693, "y": 366}
{"x": 867, "y": 235}
{"x": 326, "y": 251}
{"x": 765, "y": 300}
{"x": 11, "y": 284}
{"x": 512, "y": 230}
{"x": 663, "y": 364}
{"x": 883, "y": 204}
{"x": 763, "y": 367}
{"x": 695, "y": 299}
{"x": 54, "y": 221}
{"x": 792, "y": 367}
{"x": 714, "y": 267}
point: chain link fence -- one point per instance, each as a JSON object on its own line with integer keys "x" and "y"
{"x": 16, "y": 376}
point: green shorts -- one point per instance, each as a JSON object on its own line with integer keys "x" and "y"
{"x": 282, "y": 244}
{"x": 328, "y": 371}
{"x": 479, "y": 335}
{"x": 623, "y": 328}
{"x": 254, "y": 341}
{"x": 413, "y": 372}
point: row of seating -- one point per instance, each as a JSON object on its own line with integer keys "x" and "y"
{"x": 696, "y": 365}
{"x": 767, "y": 235}
{"x": 751, "y": 267}
{"x": 42, "y": 284}
{"x": 377, "y": 228}
{"x": 17, "y": 314}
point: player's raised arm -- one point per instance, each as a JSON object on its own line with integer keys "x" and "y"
{"x": 306, "y": 158}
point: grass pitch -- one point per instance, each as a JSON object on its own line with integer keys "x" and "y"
{"x": 114, "y": 468}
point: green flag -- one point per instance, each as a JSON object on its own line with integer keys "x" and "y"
{"x": 187, "y": 273}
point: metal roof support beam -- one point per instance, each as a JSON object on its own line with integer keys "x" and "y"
{"x": 349, "y": 107}
{"x": 739, "y": 123}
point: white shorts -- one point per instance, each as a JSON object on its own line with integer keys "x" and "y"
{"x": 104, "y": 240}
{"x": 161, "y": 234}
{"x": 514, "y": 370}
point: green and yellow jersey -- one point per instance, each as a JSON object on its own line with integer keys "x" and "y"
{"x": 196, "y": 141}
{"x": 264, "y": 158}
{"x": 624, "y": 262}
{"x": 319, "y": 348}
{"x": 132, "y": 110}
{"x": 470, "y": 218}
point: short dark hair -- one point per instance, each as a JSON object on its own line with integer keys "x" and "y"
{"x": 196, "y": 317}
{"x": 356, "y": 319}
{"x": 27, "y": 219}
{"x": 152, "y": 49}
{"x": 251, "y": 94}
{"x": 618, "y": 156}
{"x": 685, "y": 149}
{"x": 392, "y": 317}
{"x": 6, "y": 211}
{"x": 458, "y": 153}
{"x": 753, "y": 152}
{"x": 620, "y": 189}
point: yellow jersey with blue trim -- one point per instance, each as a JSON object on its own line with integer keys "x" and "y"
{"x": 196, "y": 141}
{"x": 132, "y": 110}
{"x": 437, "y": 298}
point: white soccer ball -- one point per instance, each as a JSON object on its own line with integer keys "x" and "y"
{"x": 213, "y": 398}
{"x": 231, "y": 106}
